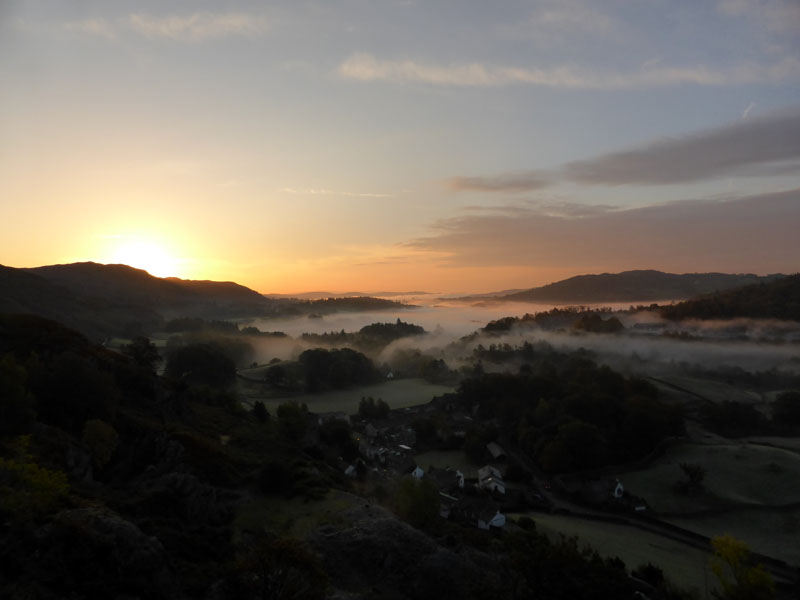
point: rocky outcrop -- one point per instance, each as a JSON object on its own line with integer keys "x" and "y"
{"x": 381, "y": 556}
{"x": 95, "y": 553}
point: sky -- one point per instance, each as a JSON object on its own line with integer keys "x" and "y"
{"x": 362, "y": 145}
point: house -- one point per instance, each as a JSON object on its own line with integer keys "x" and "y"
{"x": 491, "y": 518}
{"x": 496, "y": 450}
{"x": 372, "y": 452}
{"x": 490, "y": 478}
{"x": 446, "y": 504}
{"x": 481, "y": 513}
{"x": 418, "y": 472}
{"x": 351, "y": 471}
{"x": 400, "y": 461}
{"x": 333, "y": 416}
{"x": 619, "y": 491}
{"x": 447, "y": 480}
{"x": 600, "y": 491}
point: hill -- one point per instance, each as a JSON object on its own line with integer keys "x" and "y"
{"x": 633, "y": 286}
{"x": 126, "y": 285}
{"x": 108, "y": 300}
{"x": 778, "y": 299}
{"x": 24, "y": 292}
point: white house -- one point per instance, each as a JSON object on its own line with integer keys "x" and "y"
{"x": 485, "y": 521}
{"x": 618, "y": 490}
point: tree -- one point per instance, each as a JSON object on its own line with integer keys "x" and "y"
{"x": 16, "y": 403}
{"x": 739, "y": 578}
{"x": 143, "y": 352}
{"x": 201, "y": 363}
{"x": 73, "y": 388}
{"x": 260, "y": 412}
{"x": 293, "y": 420}
{"x": 693, "y": 483}
{"x": 786, "y": 410}
{"x": 276, "y": 376}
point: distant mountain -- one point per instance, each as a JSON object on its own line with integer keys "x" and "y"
{"x": 634, "y": 286}
{"x": 779, "y": 299}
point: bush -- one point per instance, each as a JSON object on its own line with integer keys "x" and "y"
{"x": 28, "y": 490}
{"x": 102, "y": 439}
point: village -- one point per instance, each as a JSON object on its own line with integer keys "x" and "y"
{"x": 502, "y": 483}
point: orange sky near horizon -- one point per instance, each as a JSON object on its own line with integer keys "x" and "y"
{"x": 442, "y": 147}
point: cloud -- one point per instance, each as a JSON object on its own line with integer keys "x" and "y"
{"x": 767, "y": 145}
{"x": 749, "y": 146}
{"x": 327, "y": 192}
{"x": 511, "y": 182}
{"x": 560, "y": 21}
{"x": 365, "y": 67}
{"x": 754, "y": 233}
{"x": 198, "y": 26}
{"x": 97, "y": 26}
{"x": 777, "y": 16}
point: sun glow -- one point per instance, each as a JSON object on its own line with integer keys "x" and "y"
{"x": 148, "y": 255}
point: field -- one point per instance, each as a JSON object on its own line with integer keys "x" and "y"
{"x": 746, "y": 484}
{"x": 685, "y": 566}
{"x": 736, "y": 473}
{"x": 715, "y": 391}
{"x": 770, "y": 532}
{"x": 398, "y": 393}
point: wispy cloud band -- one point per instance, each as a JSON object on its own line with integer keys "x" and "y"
{"x": 198, "y": 26}
{"x": 195, "y": 27}
{"x": 365, "y": 67}
{"x": 327, "y": 192}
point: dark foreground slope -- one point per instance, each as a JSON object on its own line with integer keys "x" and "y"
{"x": 117, "y": 483}
{"x": 633, "y": 286}
{"x": 778, "y": 299}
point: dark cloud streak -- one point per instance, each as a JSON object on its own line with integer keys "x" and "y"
{"x": 755, "y": 233}
{"x": 754, "y": 147}
{"x": 510, "y": 182}
{"x": 746, "y": 144}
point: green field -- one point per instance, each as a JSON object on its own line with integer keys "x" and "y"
{"x": 684, "y": 565}
{"x": 398, "y": 393}
{"x": 715, "y": 391}
{"x": 736, "y": 473}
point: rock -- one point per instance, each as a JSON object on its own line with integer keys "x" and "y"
{"x": 383, "y": 556}
{"x": 94, "y": 553}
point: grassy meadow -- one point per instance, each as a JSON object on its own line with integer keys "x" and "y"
{"x": 397, "y": 393}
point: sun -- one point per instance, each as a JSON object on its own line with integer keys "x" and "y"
{"x": 148, "y": 255}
